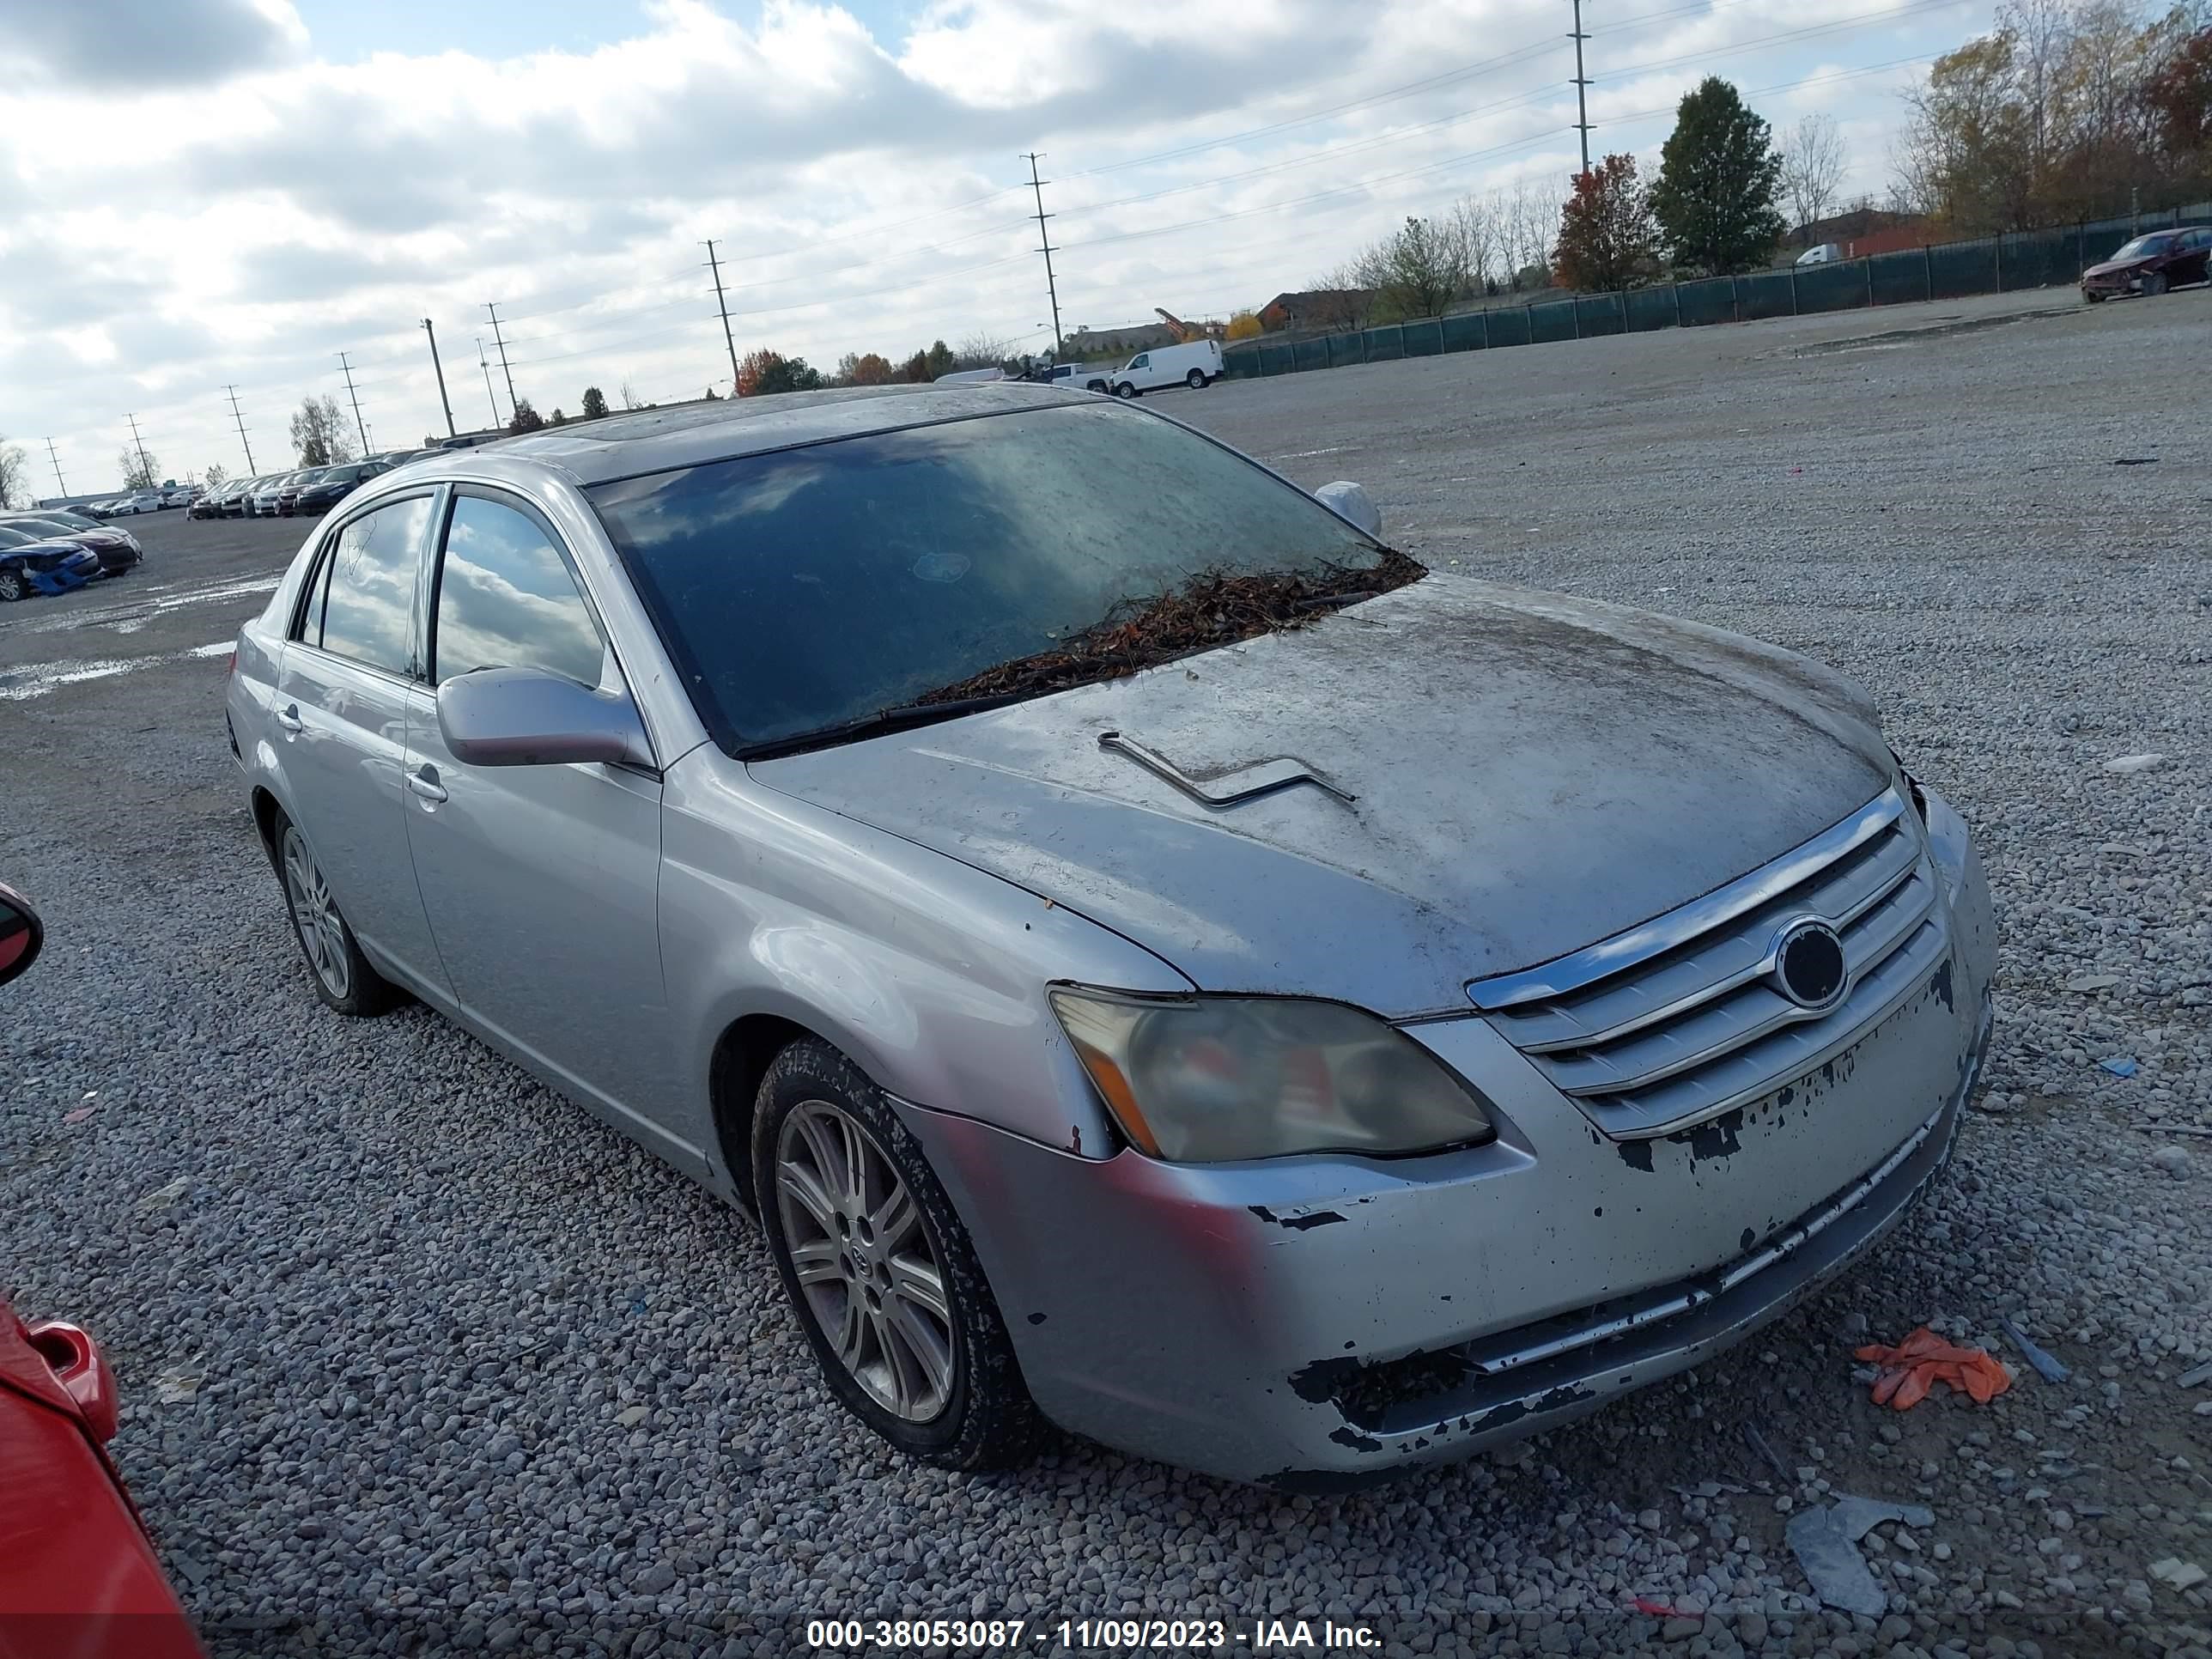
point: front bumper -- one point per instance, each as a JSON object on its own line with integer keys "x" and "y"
{"x": 1318, "y": 1323}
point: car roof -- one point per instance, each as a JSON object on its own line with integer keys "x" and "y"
{"x": 657, "y": 439}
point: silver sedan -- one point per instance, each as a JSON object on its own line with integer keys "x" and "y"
{"x": 1298, "y": 1048}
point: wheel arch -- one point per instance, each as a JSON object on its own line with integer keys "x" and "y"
{"x": 742, "y": 1052}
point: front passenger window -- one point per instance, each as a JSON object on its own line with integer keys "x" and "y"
{"x": 506, "y": 599}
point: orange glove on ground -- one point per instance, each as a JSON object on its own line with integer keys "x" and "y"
{"x": 1923, "y": 1359}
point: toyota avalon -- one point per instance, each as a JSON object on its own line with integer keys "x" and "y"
{"x": 1156, "y": 961}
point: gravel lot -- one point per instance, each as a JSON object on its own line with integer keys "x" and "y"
{"x": 417, "y": 1356}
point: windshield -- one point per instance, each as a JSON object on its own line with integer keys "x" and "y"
{"x": 805, "y": 589}
{"x": 2143, "y": 246}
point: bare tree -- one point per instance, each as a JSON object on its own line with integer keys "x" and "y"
{"x": 12, "y": 484}
{"x": 982, "y": 350}
{"x": 1812, "y": 170}
{"x": 1344, "y": 299}
{"x": 1477, "y": 219}
{"x": 629, "y": 397}
{"x": 1532, "y": 217}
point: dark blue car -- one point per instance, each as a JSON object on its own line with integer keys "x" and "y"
{"x": 32, "y": 564}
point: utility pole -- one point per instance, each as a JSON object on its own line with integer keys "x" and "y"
{"x": 56, "y": 460}
{"x": 1582, "y": 86}
{"x": 440, "y": 368}
{"x": 493, "y": 307}
{"x": 1044, "y": 247}
{"x": 490, "y": 397}
{"x": 714, "y": 265}
{"x": 240, "y": 419}
{"x": 137, "y": 443}
{"x": 360, "y": 425}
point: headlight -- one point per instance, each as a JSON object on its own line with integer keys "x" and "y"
{"x": 1201, "y": 1079}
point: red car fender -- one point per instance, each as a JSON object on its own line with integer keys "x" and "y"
{"x": 78, "y": 1575}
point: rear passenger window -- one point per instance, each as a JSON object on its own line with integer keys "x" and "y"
{"x": 366, "y": 609}
{"x": 506, "y": 599}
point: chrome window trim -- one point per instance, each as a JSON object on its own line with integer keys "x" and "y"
{"x": 1565, "y": 975}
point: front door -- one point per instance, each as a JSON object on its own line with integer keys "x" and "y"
{"x": 542, "y": 882}
{"x": 341, "y": 716}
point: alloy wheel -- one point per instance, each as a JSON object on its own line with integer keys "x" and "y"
{"x": 864, "y": 1260}
{"x": 315, "y": 915}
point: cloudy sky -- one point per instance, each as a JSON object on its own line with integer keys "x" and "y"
{"x": 203, "y": 193}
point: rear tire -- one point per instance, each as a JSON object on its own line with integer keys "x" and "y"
{"x": 1195, "y": 379}
{"x": 921, "y": 1353}
{"x": 342, "y": 977}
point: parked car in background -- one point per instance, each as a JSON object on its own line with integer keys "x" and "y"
{"x": 2151, "y": 265}
{"x": 177, "y": 495}
{"x": 78, "y": 1574}
{"x": 148, "y": 500}
{"x": 778, "y": 781}
{"x": 1827, "y": 253}
{"x": 43, "y": 564}
{"x": 119, "y": 549}
{"x": 205, "y": 504}
{"x": 1080, "y": 377}
{"x": 1197, "y": 364}
{"x": 233, "y": 501}
{"x": 264, "y": 499}
{"x": 106, "y": 507}
{"x": 287, "y": 494}
{"x": 333, "y": 484}
{"x": 62, "y": 517}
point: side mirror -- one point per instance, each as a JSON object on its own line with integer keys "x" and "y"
{"x": 21, "y": 934}
{"x": 526, "y": 717}
{"x": 1349, "y": 503}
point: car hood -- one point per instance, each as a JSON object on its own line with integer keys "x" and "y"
{"x": 56, "y": 547}
{"x": 1526, "y": 774}
{"x": 2119, "y": 267}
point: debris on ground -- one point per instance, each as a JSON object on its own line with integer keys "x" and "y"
{"x": 2047, "y": 1366}
{"x": 1213, "y": 608}
{"x": 2134, "y": 460}
{"x": 2118, "y": 1066}
{"x": 175, "y": 1388}
{"x": 2093, "y": 981}
{"x": 1923, "y": 1359}
{"x": 2172, "y": 1129}
{"x": 78, "y": 1116}
{"x": 166, "y": 1194}
{"x": 2189, "y": 1379}
{"x": 1758, "y": 1444}
{"x": 2173, "y": 1570}
{"x": 1644, "y": 1604}
{"x": 2135, "y": 764}
{"x": 1825, "y": 1543}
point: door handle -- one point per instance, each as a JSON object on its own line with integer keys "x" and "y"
{"x": 288, "y": 718}
{"x": 423, "y": 781}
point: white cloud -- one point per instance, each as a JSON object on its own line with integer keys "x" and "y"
{"x": 161, "y": 239}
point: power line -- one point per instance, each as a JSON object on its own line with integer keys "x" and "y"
{"x": 1582, "y": 86}
{"x": 722, "y": 306}
{"x": 240, "y": 419}
{"x": 360, "y": 425}
{"x": 1044, "y": 247}
{"x": 512, "y": 402}
{"x": 447, "y": 403}
{"x": 490, "y": 397}
{"x": 145, "y": 466}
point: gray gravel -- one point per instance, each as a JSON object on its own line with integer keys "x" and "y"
{"x": 419, "y": 1358}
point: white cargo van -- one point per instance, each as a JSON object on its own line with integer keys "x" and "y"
{"x": 1196, "y": 366}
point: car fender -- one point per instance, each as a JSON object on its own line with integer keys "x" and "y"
{"x": 929, "y": 973}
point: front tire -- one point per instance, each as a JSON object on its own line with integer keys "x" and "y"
{"x": 879, "y": 1271}
{"x": 343, "y": 978}
{"x": 2153, "y": 283}
{"x": 1126, "y": 391}
{"x": 13, "y": 586}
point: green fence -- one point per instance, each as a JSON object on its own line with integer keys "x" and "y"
{"x": 1949, "y": 270}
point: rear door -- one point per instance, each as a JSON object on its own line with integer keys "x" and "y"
{"x": 542, "y": 881}
{"x": 341, "y": 724}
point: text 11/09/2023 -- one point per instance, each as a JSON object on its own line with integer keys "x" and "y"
{"x": 989, "y": 1636}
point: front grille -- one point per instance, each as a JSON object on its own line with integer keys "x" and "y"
{"x": 1682, "y": 1019}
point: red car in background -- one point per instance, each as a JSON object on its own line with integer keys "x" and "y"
{"x": 78, "y": 1576}
{"x": 2151, "y": 265}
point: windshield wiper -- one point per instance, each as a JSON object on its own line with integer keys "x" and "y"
{"x": 901, "y": 718}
